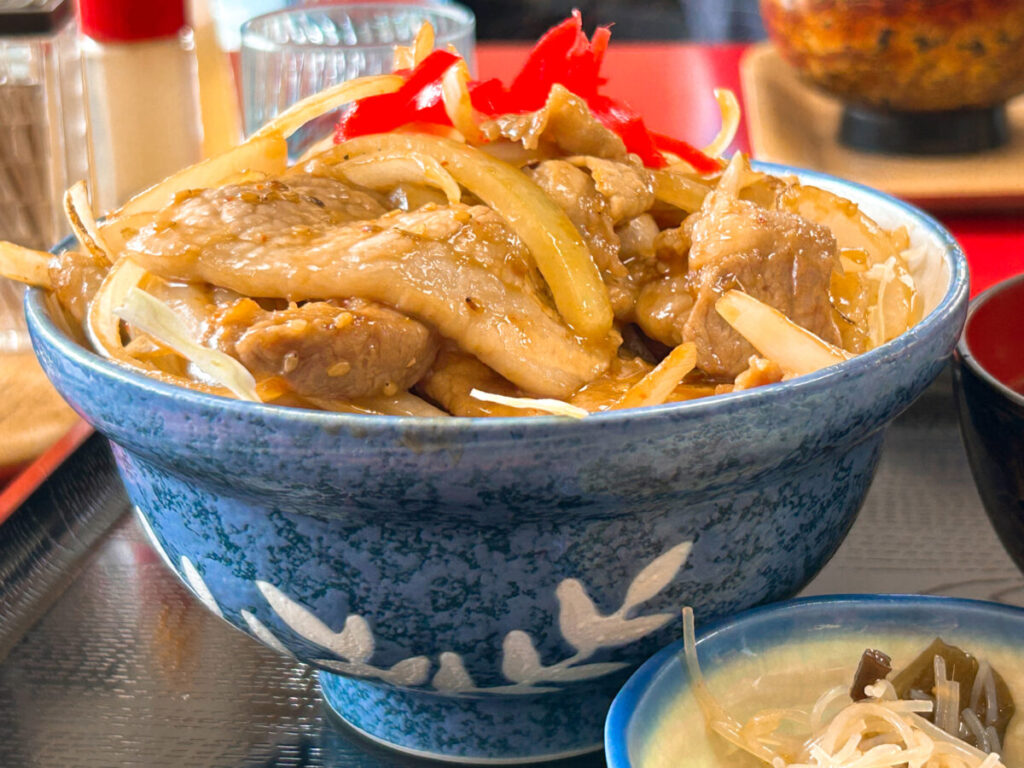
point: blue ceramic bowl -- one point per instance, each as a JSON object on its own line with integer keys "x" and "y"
{"x": 479, "y": 589}
{"x": 820, "y": 639}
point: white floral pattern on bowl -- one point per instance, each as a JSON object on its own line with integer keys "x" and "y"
{"x": 579, "y": 621}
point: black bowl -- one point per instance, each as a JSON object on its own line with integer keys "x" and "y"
{"x": 989, "y": 382}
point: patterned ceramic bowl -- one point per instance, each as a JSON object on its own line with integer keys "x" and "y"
{"x": 818, "y": 641}
{"x": 478, "y": 589}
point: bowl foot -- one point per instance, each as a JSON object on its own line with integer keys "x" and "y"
{"x": 924, "y": 133}
{"x": 476, "y": 730}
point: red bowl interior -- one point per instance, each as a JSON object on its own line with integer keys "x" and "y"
{"x": 994, "y": 333}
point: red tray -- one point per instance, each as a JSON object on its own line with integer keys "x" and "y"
{"x": 32, "y": 476}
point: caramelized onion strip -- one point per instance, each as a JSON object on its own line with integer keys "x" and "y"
{"x": 678, "y": 190}
{"x": 656, "y": 387}
{"x": 103, "y": 327}
{"x": 25, "y": 265}
{"x": 730, "y": 109}
{"x": 423, "y": 46}
{"x": 83, "y": 222}
{"x": 457, "y": 104}
{"x": 327, "y": 100}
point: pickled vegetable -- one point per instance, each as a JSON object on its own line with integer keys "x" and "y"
{"x": 984, "y": 702}
{"x": 874, "y": 666}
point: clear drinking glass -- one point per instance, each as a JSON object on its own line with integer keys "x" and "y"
{"x": 292, "y": 53}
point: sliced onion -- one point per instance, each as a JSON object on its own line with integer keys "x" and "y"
{"x": 266, "y": 154}
{"x": 83, "y": 222}
{"x": 424, "y": 43}
{"x": 678, "y": 190}
{"x": 457, "y": 104}
{"x": 404, "y": 58}
{"x": 324, "y": 144}
{"x": 775, "y": 336}
{"x": 25, "y": 265}
{"x": 102, "y": 324}
{"x": 655, "y": 387}
{"x": 327, "y": 100}
{"x": 730, "y": 109}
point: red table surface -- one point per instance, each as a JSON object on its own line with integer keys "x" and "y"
{"x": 671, "y": 84}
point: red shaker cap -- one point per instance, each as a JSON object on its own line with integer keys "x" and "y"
{"x": 131, "y": 20}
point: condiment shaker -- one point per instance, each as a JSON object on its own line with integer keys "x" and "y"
{"x": 143, "y": 94}
{"x": 44, "y": 142}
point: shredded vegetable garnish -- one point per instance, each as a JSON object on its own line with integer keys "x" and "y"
{"x": 152, "y": 316}
{"x": 879, "y": 731}
{"x": 555, "y": 407}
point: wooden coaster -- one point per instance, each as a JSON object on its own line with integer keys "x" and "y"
{"x": 792, "y": 123}
{"x": 32, "y": 415}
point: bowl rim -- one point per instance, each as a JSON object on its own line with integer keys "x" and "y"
{"x": 963, "y": 348}
{"x": 41, "y": 326}
{"x": 632, "y": 693}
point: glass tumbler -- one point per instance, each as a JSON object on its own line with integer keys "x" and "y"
{"x": 290, "y": 54}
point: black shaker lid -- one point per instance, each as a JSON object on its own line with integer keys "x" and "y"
{"x": 32, "y": 17}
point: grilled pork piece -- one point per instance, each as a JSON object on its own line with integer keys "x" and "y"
{"x": 458, "y": 269}
{"x": 574, "y": 192}
{"x": 325, "y": 349}
{"x": 627, "y": 187}
{"x": 775, "y": 256}
{"x": 596, "y": 203}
